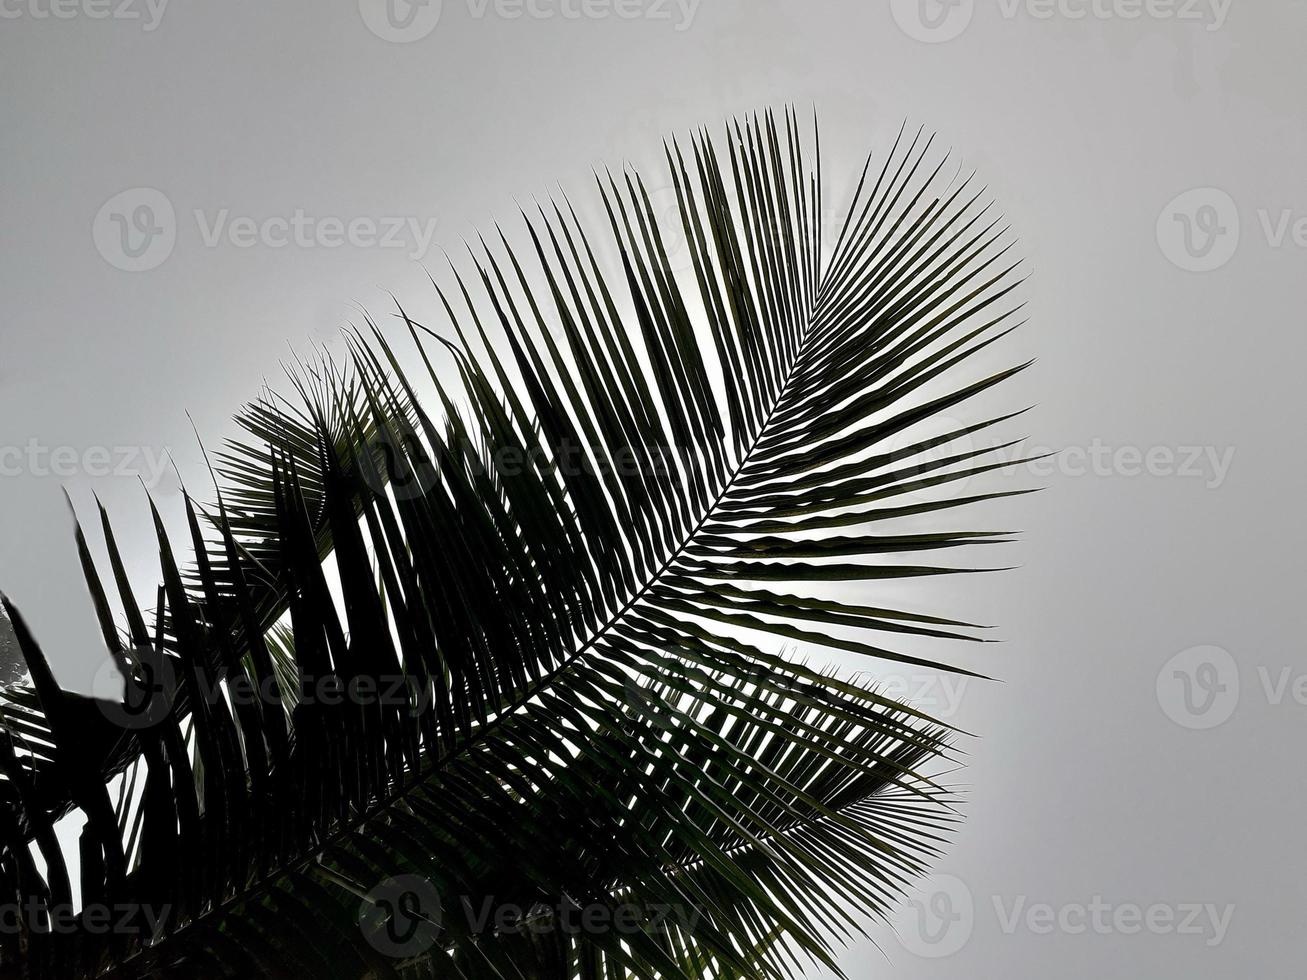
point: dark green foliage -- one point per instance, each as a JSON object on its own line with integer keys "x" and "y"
{"x": 567, "y": 548}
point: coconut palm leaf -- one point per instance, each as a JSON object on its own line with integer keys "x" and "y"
{"x": 477, "y": 669}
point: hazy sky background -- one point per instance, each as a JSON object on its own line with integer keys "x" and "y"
{"x": 1142, "y": 750}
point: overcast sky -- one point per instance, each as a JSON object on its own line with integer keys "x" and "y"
{"x": 192, "y": 192}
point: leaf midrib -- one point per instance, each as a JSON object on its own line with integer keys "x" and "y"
{"x": 425, "y": 772}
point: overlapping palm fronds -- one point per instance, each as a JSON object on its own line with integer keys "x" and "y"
{"x": 475, "y": 672}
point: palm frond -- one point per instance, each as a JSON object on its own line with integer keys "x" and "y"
{"x": 512, "y": 598}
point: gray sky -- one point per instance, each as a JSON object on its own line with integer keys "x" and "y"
{"x": 1152, "y": 167}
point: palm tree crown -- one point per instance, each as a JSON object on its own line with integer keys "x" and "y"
{"x": 476, "y": 668}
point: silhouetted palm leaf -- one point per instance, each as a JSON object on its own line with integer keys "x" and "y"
{"x": 567, "y": 550}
